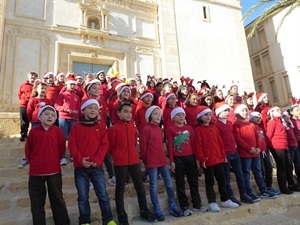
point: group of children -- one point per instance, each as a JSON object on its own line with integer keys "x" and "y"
{"x": 200, "y": 129}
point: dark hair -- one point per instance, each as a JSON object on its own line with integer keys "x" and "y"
{"x": 203, "y": 102}
{"x": 122, "y": 105}
{"x": 158, "y": 84}
{"x": 200, "y": 121}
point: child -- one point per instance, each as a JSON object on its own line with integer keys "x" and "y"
{"x": 140, "y": 121}
{"x": 266, "y": 166}
{"x": 171, "y": 103}
{"x": 44, "y": 147}
{"x": 263, "y": 106}
{"x": 153, "y": 155}
{"x": 277, "y": 141}
{"x": 88, "y": 144}
{"x": 192, "y": 109}
{"x": 233, "y": 159}
{"x": 122, "y": 138}
{"x": 211, "y": 155}
{"x": 230, "y": 100}
{"x": 248, "y": 144}
{"x": 181, "y": 144}
{"x": 24, "y": 93}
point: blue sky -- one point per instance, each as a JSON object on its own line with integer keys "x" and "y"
{"x": 247, "y": 4}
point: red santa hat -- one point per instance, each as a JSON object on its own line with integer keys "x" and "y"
{"x": 47, "y": 74}
{"x": 220, "y": 107}
{"x": 149, "y": 112}
{"x": 169, "y": 95}
{"x": 253, "y": 114}
{"x": 270, "y": 112}
{"x": 59, "y": 74}
{"x": 145, "y": 94}
{"x": 176, "y": 111}
{"x": 119, "y": 85}
{"x": 70, "y": 79}
{"x": 78, "y": 76}
{"x": 239, "y": 108}
{"x": 89, "y": 102}
{"x": 141, "y": 86}
{"x": 122, "y": 88}
{"x": 94, "y": 81}
{"x": 166, "y": 80}
{"x": 42, "y": 109}
{"x": 202, "y": 111}
{"x": 260, "y": 96}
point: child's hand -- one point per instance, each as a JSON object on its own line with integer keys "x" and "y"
{"x": 173, "y": 167}
{"x": 225, "y": 160}
{"x": 204, "y": 166}
{"x": 75, "y": 112}
{"x": 86, "y": 163}
{"x": 69, "y": 111}
{"x": 253, "y": 151}
{"x": 93, "y": 164}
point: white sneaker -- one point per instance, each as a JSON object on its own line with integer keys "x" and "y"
{"x": 63, "y": 162}
{"x": 23, "y": 163}
{"x": 91, "y": 186}
{"x": 229, "y": 204}
{"x": 187, "y": 212}
{"x": 214, "y": 207}
{"x": 112, "y": 181}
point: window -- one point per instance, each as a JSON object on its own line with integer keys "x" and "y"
{"x": 262, "y": 38}
{"x": 253, "y": 44}
{"x": 287, "y": 84}
{"x": 258, "y": 68}
{"x": 267, "y": 63}
{"x": 260, "y": 87}
{"x": 206, "y": 14}
{"x": 273, "y": 89}
{"x": 93, "y": 23}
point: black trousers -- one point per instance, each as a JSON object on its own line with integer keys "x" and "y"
{"x": 284, "y": 168}
{"x": 24, "y": 122}
{"x": 186, "y": 165}
{"x": 37, "y": 193}
{"x": 266, "y": 168}
{"x": 121, "y": 173}
{"x": 212, "y": 172}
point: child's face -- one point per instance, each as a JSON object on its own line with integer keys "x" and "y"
{"x": 265, "y": 100}
{"x": 184, "y": 90}
{"x": 125, "y": 94}
{"x": 32, "y": 77}
{"x": 47, "y": 117}
{"x": 179, "y": 118}
{"x": 148, "y": 99}
{"x": 206, "y": 118}
{"x": 234, "y": 89}
{"x": 256, "y": 120}
{"x": 224, "y": 114}
{"x": 94, "y": 90}
{"x": 250, "y": 101}
{"x": 142, "y": 89}
{"x": 231, "y": 101}
{"x": 125, "y": 114}
{"x": 61, "y": 78}
{"x": 244, "y": 113}
{"x": 172, "y": 101}
{"x": 296, "y": 112}
{"x": 208, "y": 100}
{"x": 79, "y": 80}
{"x": 71, "y": 86}
{"x": 277, "y": 112}
{"x": 156, "y": 116}
{"x": 91, "y": 111}
{"x": 152, "y": 84}
{"x": 219, "y": 94}
{"x": 194, "y": 100}
{"x": 168, "y": 88}
{"x": 41, "y": 89}
{"x": 159, "y": 88}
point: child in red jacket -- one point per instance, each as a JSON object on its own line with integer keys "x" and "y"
{"x": 277, "y": 141}
{"x": 24, "y": 94}
{"x": 153, "y": 155}
{"x": 211, "y": 155}
{"x": 140, "y": 121}
{"x": 88, "y": 144}
{"x": 44, "y": 147}
{"x": 171, "y": 103}
{"x": 122, "y": 138}
{"x": 181, "y": 144}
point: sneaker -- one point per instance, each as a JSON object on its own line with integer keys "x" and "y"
{"x": 200, "y": 209}
{"x": 160, "y": 217}
{"x": 229, "y": 204}
{"x": 187, "y": 212}
{"x": 286, "y": 191}
{"x": 246, "y": 199}
{"x": 123, "y": 219}
{"x": 112, "y": 181}
{"x": 268, "y": 195}
{"x": 63, "y": 162}
{"x": 214, "y": 207}
{"x": 294, "y": 188}
{"x": 235, "y": 200}
{"x": 112, "y": 223}
{"x": 176, "y": 212}
{"x": 23, "y": 138}
{"x": 254, "y": 197}
{"x": 91, "y": 186}
{"x": 148, "y": 216}
{"x": 159, "y": 177}
{"x": 23, "y": 163}
{"x": 274, "y": 191}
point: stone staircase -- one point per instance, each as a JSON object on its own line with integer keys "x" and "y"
{"x": 15, "y": 205}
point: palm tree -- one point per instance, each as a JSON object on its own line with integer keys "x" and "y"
{"x": 277, "y": 6}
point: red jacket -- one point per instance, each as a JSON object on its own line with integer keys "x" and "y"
{"x": 296, "y": 124}
{"x": 67, "y": 100}
{"x": 140, "y": 120}
{"x": 262, "y": 138}
{"x": 231, "y": 116}
{"x": 151, "y": 146}
{"x": 246, "y": 137}
{"x": 191, "y": 115}
{"x": 122, "y": 138}
{"x": 88, "y": 141}
{"x": 24, "y": 93}
{"x": 33, "y": 108}
{"x": 209, "y": 145}
{"x": 276, "y": 133}
{"x": 44, "y": 149}
{"x": 263, "y": 110}
{"x": 52, "y": 93}
{"x": 291, "y": 138}
{"x": 181, "y": 141}
{"x": 226, "y": 131}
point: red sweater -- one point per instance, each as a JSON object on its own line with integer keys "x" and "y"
{"x": 296, "y": 124}
{"x": 262, "y": 138}
{"x": 226, "y": 131}
{"x": 263, "y": 110}
{"x": 181, "y": 141}
{"x": 276, "y": 133}
{"x": 33, "y": 108}
{"x": 291, "y": 138}
{"x": 52, "y": 93}
{"x": 122, "y": 138}
{"x": 209, "y": 145}
{"x": 140, "y": 120}
{"x": 24, "y": 93}
{"x": 151, "y": 146}
{"x": 231, "y": 116}
{"x": 88, "y": 141}
{"x": 246, "y": 137}
{"x": 67, "y": 100}
{"x": 43, "y": 150}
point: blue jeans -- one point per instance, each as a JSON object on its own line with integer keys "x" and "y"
{"x": 165, "y": 173}
{"x": 234, "y": 161}
{"x": 295, "y": 156}
{"x": 66, "y": 125}
{"x": 254, "y": 165}
{"x": 82, "y": 181}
